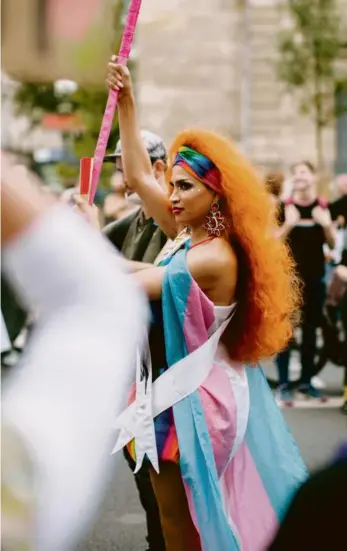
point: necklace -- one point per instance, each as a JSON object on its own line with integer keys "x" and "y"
{"x": 202, "y": 242}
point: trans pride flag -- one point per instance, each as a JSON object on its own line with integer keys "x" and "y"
{"x": 239, "y": 462}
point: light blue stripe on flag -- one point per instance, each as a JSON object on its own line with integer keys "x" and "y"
{"x": 272, "y": 445}
{"x": 199, "y": 472}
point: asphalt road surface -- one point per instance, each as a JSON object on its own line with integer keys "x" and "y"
{"x": 121, "y": 522}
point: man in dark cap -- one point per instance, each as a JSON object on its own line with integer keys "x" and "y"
{"x": 136, "y": 235}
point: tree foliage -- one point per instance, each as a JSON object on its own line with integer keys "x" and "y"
{"x": 309, "y": 51}
{"x": 34, "y": 100}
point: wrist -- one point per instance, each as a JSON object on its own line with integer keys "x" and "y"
{"x": 126, "y": 99}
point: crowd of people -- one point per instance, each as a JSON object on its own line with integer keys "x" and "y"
{"x": 229, "y": 269}
{"x": 315, "y": 231}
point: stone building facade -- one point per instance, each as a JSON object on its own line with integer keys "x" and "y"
{"x": 211, "y": 63}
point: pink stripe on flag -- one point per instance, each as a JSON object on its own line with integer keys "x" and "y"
{"x": 218, "y": 403}
{"x": 216, "y": 393}
{"x": 199, "y": 317}
{"x": 247, "y": 502}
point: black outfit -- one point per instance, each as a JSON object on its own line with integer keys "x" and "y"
{"x": 343, "y": 311}
{"x": 339, "y": 208}
{"x": 140, "y": 239}
{"x": 306, "y": 242}
{"x": 316, "y": 519}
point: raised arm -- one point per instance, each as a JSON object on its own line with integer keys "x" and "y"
{"x": 136, "y": 161}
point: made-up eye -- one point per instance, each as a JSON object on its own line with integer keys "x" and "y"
{"x": 184, "y": 185}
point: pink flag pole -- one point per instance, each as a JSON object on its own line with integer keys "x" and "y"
{"x": 106, "y": 125}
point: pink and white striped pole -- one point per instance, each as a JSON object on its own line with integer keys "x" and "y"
{"x": 106, "y": 125}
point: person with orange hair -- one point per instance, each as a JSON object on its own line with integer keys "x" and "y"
{"x": 223, "y": 459}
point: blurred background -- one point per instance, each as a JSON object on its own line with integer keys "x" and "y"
{"x": 270, "y": 74}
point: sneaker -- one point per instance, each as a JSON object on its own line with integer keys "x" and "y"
{"x": 283, "y": 396}
{"x": 309, "y": 392}
{"x": 344, "y": 408}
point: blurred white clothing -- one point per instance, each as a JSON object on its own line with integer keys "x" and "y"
{"x": 5, "y": 339}
{"x": 60, "y": 404}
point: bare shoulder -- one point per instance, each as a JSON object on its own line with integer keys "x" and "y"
{"x": 212, "y": 261}
{"x": 222, "y": 253}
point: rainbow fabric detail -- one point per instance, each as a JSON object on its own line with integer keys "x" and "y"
{"x": 166, "y": 438}
{"x": 199, "y": 166}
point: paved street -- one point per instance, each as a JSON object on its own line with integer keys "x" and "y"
{"x": 121, "y": 523}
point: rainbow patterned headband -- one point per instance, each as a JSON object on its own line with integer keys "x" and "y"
{"x": 199, "y": 167}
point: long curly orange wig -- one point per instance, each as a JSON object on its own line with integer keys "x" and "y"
{"x": 267, "y": 290}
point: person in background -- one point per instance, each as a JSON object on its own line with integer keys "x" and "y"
{"x": 136, "y": 235}
{"x": 273, "y": 181}
{"x": 274, "y": 184}
{"x": 306, "y": 224}
{"x": 341, "y": 185}
{"x": 59, "y": 405}
{"x": 338, "y": 209}
{"x": 117, "y": 204}
{"x": 336, "y": 307}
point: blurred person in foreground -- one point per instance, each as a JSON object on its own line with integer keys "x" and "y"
{"x": 214, "y": 423}
{"x": 306, "y": 225}
{"x": 316, "y": 518}
{"x": 59, "y": 404}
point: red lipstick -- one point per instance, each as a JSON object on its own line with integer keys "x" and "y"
{"x": 175, "y": 211}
